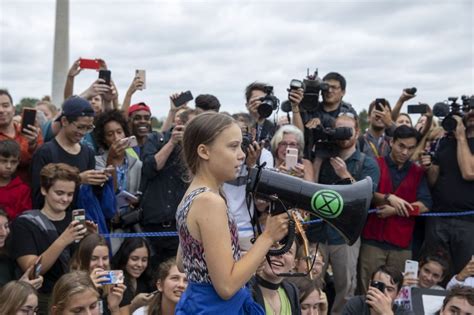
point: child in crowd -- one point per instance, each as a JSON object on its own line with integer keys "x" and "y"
{"x": 209, "y": 250}
{"x": 49, "y": 232}
{"x": 18, "y": 297}
{"x": 15, "y": 195}
{"x": 92, "y": 256}
{"x": 170, "y": 284}
{"x": 75, "y": 293}
{"x": 312, "y": 298}
{"x": 133, "y": 258}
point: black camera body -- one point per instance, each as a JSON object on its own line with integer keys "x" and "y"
{"x": 269, "y": 102}
{"x": 325, "y": 140}
{"x": 449, "y": 110}
{"x": 246, "y": 141}
{"x": 295, "y": 84}
{"x": 314, "y": 86}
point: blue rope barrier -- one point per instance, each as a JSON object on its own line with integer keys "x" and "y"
{"x": 172, "y": 234}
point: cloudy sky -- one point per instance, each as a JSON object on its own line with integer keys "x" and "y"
{"x": 380, "y": 46}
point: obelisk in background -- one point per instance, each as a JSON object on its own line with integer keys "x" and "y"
{"x": 61, "y": 51}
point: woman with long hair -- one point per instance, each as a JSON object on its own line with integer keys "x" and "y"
{"x": 133, "y": 258}
{"x": 209, "y": 247}
{"x": 18, "y": 297}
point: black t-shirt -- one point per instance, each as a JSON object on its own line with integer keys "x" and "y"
{"x": 451, "y": 192}
{"x": 28, "y": 239}
{"x": 143, "y": 286}
{"x": 52, "y": 152}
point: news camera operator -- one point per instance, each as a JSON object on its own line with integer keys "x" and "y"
{"x": 451, "y": 175}
{"x": 163, "y": 186}
{"x": 348, "y": 166}
{"x": 260, "y": 103}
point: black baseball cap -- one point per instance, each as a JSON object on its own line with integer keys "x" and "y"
{"x": 76, "y": 106}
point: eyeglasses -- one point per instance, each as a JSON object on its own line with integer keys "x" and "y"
{"x": 334, "y": 87}
{"x": 288, "y": 144}
{"x": 348, "y": 114}
{"x": 85, "y": 128}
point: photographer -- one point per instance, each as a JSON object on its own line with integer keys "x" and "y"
{"x": 242, "y": 209}
{"x": 385, "y": 284}
{"x": 402, "y": 194}
{"x": 350, "y": 165}
{"x": 163, "y": 186}
{"x": 452, "y": 175}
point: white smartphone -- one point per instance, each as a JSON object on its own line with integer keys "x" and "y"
{"x": 291, "y": 158}
{"x": 132, "y": 141}
{"x": 142, "y": 75}
{"x": 411, "y": 266}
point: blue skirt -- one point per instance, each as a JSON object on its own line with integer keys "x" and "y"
{"x": 200, "y": 298}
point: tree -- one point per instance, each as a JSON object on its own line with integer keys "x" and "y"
{"x": 26, "y": 102}
{"x": 363, "y": 120}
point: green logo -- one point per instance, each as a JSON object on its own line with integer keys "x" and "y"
{"x": 327, "y": 203}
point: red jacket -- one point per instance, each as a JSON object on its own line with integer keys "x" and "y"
{"x": 394, "y": 230}
{"x": 15, "y": 197}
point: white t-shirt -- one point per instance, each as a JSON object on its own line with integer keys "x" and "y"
{"x": 141, "y": 311}
{"x": 236, "y": 198}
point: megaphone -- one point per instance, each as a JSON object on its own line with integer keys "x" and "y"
{"x": 344, "y": 207}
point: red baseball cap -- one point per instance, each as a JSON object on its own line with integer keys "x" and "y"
{"x": 137, "y": 107}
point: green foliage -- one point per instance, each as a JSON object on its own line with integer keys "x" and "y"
{"x": 363, "y": 120}
{"x": 156, "y": 123}
{"x": 25, "y": 102}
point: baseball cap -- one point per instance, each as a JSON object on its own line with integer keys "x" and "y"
{"x": 137, "y": 107}
{"x": 76, "y": 106}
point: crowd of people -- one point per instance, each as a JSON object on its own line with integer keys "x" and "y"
{"x": 94, "y": 166}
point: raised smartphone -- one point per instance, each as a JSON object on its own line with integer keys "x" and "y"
{"x": 291, "y": 158}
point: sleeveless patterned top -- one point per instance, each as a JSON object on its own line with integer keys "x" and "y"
{"x": 195, "y": 266}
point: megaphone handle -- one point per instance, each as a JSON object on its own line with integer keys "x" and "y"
{"x": 289, "y": 241}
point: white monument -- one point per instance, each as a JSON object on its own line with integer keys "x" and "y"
{"x": 61, "y": 51}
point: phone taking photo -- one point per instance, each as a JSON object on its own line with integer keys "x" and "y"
{"x": 131, "y": 141}
{"x": 89, "y": 64}
{"x": 36, "y": 271}
{"x": 114, "y": 277}
{"x": 379, "y": 104}
{"x": 79, "y": 215}
{"x": 291, "y": 158}
{"x": 105, "y": 75}
{"x": 183, "y": 98}
{"x": 28, "y": 117}
{"x": 141, "y": 74}
{"x": 417, "y": 109}
{"x": 411, "y": 267}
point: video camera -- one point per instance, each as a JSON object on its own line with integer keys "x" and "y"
{"x": 325, "y": 140}
{"x": 312, "y": 85}
{"x": 448, "y": 110}
{"x": 269, "y": 102}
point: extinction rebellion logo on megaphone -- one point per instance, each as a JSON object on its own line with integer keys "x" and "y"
{"x": 327, "y": 203}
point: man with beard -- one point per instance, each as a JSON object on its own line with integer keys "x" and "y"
{"x": 375, "y": 141}
{"x": 349, "y": 166}
{"x": 402, "y": 194}
{"x": 452, "y": 177}
{"x": 139, "y": 116}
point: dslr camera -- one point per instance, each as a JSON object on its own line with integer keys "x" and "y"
{"x": 269, "y": 102}
{"x": 295, "y": 84}
{"x": 448, "y": 110}
{"x": 325, "y": 140}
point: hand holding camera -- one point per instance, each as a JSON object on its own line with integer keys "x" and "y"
{"x": 407, "y": 94}
{"x": 75, "y": 68}
{"x": 252, "y": 153}
{"x": 426, "y": 159}
{"x": 376, "y": 298}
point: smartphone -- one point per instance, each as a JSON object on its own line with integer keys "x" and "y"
{"x": 291, "y": 158}
{"x": 89, "y": 64}
{"x": 183, "y": 98}
{"x": 36, "y": 271}
{"x": 28, "y": 117}
{"x": 379, "y": 285}
{"x": 411, "y": 266}
{"x": 114, "y": 277}
{"x": 142, "y": 75}
{"x": 379, "y": 104}
{"x": 79, "y": 215}
{"x": 132, "y": 141}
{"x": 109, "y": 170}
{"x": 105, "y": 74}
{"x": 417, "y": 109}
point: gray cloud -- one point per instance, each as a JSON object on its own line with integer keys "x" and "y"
{"x": 380, "y": 47}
